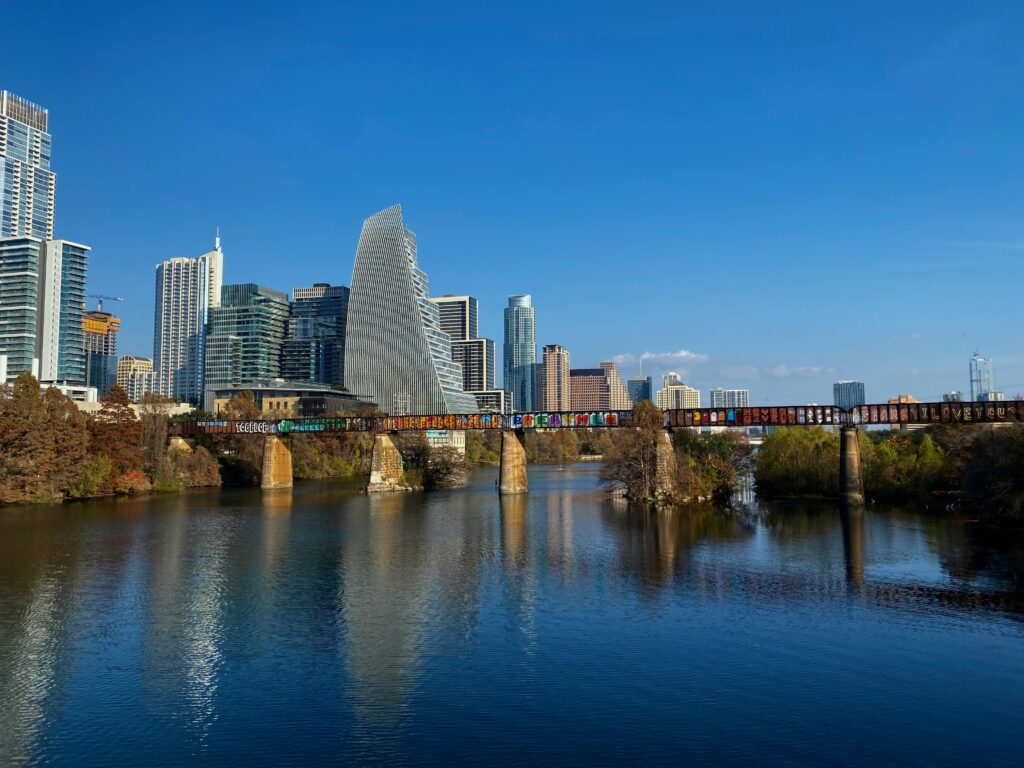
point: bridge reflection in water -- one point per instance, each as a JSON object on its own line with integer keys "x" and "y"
{"x": 234, "y": 611}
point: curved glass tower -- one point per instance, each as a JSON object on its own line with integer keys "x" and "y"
{"x": 395, "y": 350}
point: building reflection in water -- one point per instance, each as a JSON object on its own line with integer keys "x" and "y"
{"x": 558, "y": 503}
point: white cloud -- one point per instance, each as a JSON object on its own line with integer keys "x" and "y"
{"x": 662, "y": 359}
{"x": 800, "y": 371}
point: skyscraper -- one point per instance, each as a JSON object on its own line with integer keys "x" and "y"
{"x": 675, "y": 396}
{"x": 459, "y": 316}
{"x": 186, "y": 290}
{"x": 314, "y": 349}
{"x": 593, "y": 389}
{"x": 520, "y": 352}
{"x": 244, "y": 335}
{"x": 135, "y": 376}
{"x": 100, "y": 332}
{"x": 42, "y": 299}
{"x": 553, "y": 381}
{"x": 847, "y": 394}
{"x": 27, "y": 185}
{"x": 395, "y": 351}
{"x": 729, "y": 398}
{"x": 671, "y": 379}
{"x": 640, "y": 388}
{"x": 983, "y": 380}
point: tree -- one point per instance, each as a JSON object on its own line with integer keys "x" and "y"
{"x": 631, "y": 462}
{"x": 241, "y": 456}
{"x": 115, "y": 432}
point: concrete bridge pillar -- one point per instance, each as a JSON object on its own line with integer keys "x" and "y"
{"x": 665, "y": 467}
{"x": 277, "y": 462}
{"x": 851, "y": 479}
{"x": 513, "y": 462}
{"x": 387, "y": 472}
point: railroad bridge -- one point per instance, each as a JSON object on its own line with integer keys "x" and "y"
{"x": 386, "y": 465}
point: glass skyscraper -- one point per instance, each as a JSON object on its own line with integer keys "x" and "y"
{"x": 520, "y": 352}
{"x": 847, "y": 394}
{"x": 244, "y": 335}
{"x": 186, "y": 290}
{"x": 729, "y": 398}
{"x": 395, "y": 351}
{"x": 314, "y": 349}
{"x": 640, "y": 388}
{"x": 100, "y": 333}
{"x": 27, "y": 185}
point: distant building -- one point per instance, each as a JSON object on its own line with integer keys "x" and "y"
{"x": 41, "y": 306}
{"x": 100, "y": 333}
{"x": 729, "y": 398}
{"x": 553, "y": 379}
{"x": 135, "y": 376}
{"x": 286, "y": 399}
{"x": 245, "y": 334}
{"x": 902, "y": 400}
{"x": 314, "y": 346}
{"x": 27, "y": 185}
{"x": 520, "y": 352}
{"x": 492, "y": 401}
{"x": 675, "y": 396}
{"x": 447, "y": 438}
{"x": 953, "y": 397}
{"x": 77, "y": 392}
{"x": 640, "y": 388}
{"x": 671, "y": 379}
{"x": 848, "y": 394}
{"x": 186, "y": 290}
{"x": 395, "y": 350}
{"x": 476, "y": 357}
{"x": 597, "y": 389}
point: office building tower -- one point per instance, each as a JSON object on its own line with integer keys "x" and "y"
{"x": 848, "y": 394}
{"x": 459, "y": 316}
{"x": 100, "y": 334}
{"x": 42, "y": 300}
{"x": 186, "y": 290}
{"x": 492, "y": 401}
{"x": 675, "y": 396}
{"x": 27, "y": 185}
{"x": 671, "y": 379}
{"x": 640, "y": 388}
{"x": 983, "y": 384}
{"x": 553, "y": 386}
{"x": 729, "y": 398}
{"x": 135, "y": 376}
{"x": 956, "y": 396}
{"x": 597, "y": 389}
{"x": 244, "y": 335}
{"x": 395, "y": 351}
{"x": 314, "y": 348}
{"x": 520, "y": 352}
{"x": 476, "y": 356}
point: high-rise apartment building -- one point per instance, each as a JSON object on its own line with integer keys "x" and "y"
{"x": 100, "y": 333}
{"x": 395, "y": 351}
{"x": 640, "y": 388}
{"x": 476, "y": 356}
{"x": 135, "y": 376}
{"x": 555, "y": 392}
{"x": 27, "y": 185}
{"x": 675, "y": 396}
{"x": 671, "y": 379}
{"x": 848, "y": 394}
{"x": 186, "y": 290}
{"x": 729, "y": 398}
{"x": 244, "y": 335}
{"x": 314, "y": 349}
{"x": 459, "y": 316}
{"x": 594, "y": 389}
{"x": 520, "y": 352}
{"x": 42, "y": 300}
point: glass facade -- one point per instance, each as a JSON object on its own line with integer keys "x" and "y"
{"x": 640, "y": 388}
{"x": 520, "y": 353}
{"x": 847, "y": 394}
{"x": 244, "y": 335}
{"x": 729, "y": 398}
{"x": 27, "y": 185}
{"x": 395, "y": 351}
{"x": 19, "y": 301}
{"x": 99, "y": 331}
{"x": 314, "y": 349}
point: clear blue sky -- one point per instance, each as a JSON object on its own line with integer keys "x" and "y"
{"x": 785, "y": 193}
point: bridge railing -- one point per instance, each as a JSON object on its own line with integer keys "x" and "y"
{"x": 756, "y": 416}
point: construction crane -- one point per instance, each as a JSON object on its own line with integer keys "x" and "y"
{"x": 99, "y": 300}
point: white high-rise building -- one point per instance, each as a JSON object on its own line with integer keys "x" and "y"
{"x": 27, "y": 185}
{"x": 676, "y": 396}
{"x": 186, "y": 289}
{"x": 729, "y": 398}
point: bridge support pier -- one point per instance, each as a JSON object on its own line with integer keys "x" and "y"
{"x": 851, "y": 479}
{"x": 665, "y": 468}
{"x": 387, "y": 472}
{"x": 513, "y": 462}
{"x": 277, "y": 463}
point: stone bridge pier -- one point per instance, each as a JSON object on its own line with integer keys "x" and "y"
{"x": 513, "y": 462}
{"x": 387, "y": 472}
{"x": 665, "y": 486}
{"x": 277, "y": 462}
{"x": 851, "y": 478}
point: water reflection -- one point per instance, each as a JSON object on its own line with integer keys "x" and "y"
{"x": 176, "y": 613}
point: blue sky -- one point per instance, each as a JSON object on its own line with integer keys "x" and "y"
{"x": 767, "y": 195}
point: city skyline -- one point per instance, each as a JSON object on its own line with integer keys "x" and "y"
{"x": 840, "y": 198}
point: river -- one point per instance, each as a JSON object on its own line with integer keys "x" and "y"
{"x": 321, "y": 626}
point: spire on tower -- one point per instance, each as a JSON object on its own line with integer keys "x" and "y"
{"x": 216, "y": 240}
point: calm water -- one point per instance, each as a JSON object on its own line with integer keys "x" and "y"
{"x": 321, "y": 627}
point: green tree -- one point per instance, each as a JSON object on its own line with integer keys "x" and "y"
{"x": 631, "y": 462}
{"x": 115, "y": 432}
